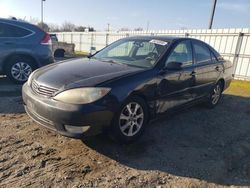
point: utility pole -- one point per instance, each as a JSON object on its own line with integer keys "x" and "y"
{"x": 212, "y": 15}
{"x": 42, "y": 12}
{"x": 108, "y": 29}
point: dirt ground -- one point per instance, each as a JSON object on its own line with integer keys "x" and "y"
{"x": 197, "y": 147}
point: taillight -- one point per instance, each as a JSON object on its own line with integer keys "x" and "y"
{"x": 46, "y": 40}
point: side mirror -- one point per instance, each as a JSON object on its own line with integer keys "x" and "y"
{"x": 92, "y": 52}
{"x": 173, "y": 65}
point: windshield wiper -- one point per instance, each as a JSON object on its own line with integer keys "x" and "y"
{"x": 112, "y": 61}
{"x": 108, "y": 60}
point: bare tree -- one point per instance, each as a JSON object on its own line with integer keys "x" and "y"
{"x": 68, "y": 26}
{"x": 80, "y": 28}
{"x": 54, "y": 28}
{"x": 65, "y": 27}
{"x": 138, "y": 29}
{"x": 34, "y": 20}
{"x": 124, "y": 29}
{"x": 43, "y": 26}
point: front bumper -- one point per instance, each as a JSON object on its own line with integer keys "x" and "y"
{"x": 56, "y": 115}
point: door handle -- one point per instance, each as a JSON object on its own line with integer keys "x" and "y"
{"x": 217, "y": 68}
{"x": 193, "y": 73}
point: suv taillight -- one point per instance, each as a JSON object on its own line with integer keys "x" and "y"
{"x": 46, "y": 40}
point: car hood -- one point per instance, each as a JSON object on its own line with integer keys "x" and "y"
{"x": 81, "y": 73}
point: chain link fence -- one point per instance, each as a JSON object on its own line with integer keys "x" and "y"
{"x": 232, "y": 44}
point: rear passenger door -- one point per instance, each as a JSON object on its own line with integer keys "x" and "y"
{"x": 207, "y": 69}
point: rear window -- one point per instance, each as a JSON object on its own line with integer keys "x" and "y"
{"x": 7, "y": 30}
{"x": 54, "y": 38}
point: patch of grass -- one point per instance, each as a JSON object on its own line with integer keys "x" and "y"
{"x": 241, "y": 88}
{"x": 81, "y": 54}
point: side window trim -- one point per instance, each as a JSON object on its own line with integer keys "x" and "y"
{"x": 31, "y": 32}
{"x": 192, "y": 52}
{"x": 191, "y": 47}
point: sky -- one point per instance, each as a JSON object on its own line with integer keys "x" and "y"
{"x": 160, "y": 14}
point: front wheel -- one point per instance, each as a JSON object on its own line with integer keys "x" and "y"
{"x": 215, "y": 95}
{"x": 130, "y": 121}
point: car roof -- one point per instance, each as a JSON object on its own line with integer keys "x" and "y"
{"x": 21, "y": 23}
{"x": 163, "y": 38}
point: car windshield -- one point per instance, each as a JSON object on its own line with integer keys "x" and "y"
{"x": 133, "y": 52}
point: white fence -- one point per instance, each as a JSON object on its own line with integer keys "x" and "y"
{"x": 233, "y": 44}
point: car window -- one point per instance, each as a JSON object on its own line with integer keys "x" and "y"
{"x": 54, "y": 38}
{"x": 7, "y": 30}
{"x": 121, "y": 50}
{"x": 182, "y": 53}
{"x": 202, "y": 53}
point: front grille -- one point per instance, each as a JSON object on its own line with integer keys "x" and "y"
{"x": 42, "y": 90}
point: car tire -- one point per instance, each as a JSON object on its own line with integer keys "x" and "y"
{"x": 130, "y": 121}
{"x": 19, "y": 68}
{"x": 215, "y": 95}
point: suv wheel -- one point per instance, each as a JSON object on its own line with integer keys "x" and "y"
{"x": 130, "y": 122}
{"x": 19, "y": 69}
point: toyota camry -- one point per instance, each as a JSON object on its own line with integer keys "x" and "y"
{"x": 122, "y": 87}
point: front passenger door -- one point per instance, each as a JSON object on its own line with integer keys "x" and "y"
{"x": 175, "y": 85}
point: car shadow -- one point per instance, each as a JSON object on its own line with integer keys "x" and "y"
{"x": 8, "y": 88}
{"x": 211, "y": 145}
{"x": 10, "y": 96}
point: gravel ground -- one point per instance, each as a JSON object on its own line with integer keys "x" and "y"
{"x": 197, "y": 147}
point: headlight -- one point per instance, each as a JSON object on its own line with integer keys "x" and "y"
{"x": 82, "y": 95}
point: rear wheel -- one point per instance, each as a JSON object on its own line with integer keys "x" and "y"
{"x": 215, "y": 95}
{"x": 130, "y": 122}
{"x": 19, "y": 69}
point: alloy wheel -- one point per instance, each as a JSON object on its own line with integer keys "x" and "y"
{"x": 131, "y": 119}
{"x": 216, "y": 94}
{"x": 21, "y": 71}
